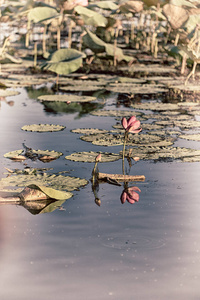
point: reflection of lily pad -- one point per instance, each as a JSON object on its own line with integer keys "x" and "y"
{"x": 6, "y": 93}
{"x": 66, "y": 98}
{"x": 57, "y": 182}
{"x": 43, "y": 127}
{"x": 90, "y": 156}
{"x": 115, "y": 113}
{"x": 89, "y": 130}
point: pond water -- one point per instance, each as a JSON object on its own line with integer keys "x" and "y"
{"x": 148, "y": 250}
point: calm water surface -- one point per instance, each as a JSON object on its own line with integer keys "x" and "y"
{"x": 149, "y": 250}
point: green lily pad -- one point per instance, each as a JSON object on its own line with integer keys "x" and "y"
{"x": 7, "y": 93}
{"x": 58, "y": 182}
{"x": 135, "y": 88}
{"x": 159, "y": 153}
{"x": 155, "y": 106}
{"x": 181, "y": 124}
{"x": 89, "y": 130}
{"x": 115, "y": 113}
{"x": 82, "y": 88}
{"x": 66, "y": 98}
{"x": 191, "y": 137}
{"x": 90, "y": 156}
{"x": 108, "y": 139}
{"x": 43, "y": 127}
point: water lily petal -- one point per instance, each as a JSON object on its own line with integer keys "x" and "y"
{"x": 130, "y": 199}
{"x": 131, "y": 120}
{"x": 123, "y": 197}
{"x": 134, "y": 125}
{"x": 124, "y": 123}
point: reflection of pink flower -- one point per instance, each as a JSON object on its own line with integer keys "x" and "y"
{"x": 130, "y": 195}
{"x": 131, "y": 125}
{"x": 81, "y": 2}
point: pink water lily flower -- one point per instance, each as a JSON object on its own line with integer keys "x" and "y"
{"x": 130, "y": 195}
{"x": 81, "y": 2}
{"x": 131, "y": 125}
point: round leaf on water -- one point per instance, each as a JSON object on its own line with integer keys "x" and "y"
{"x": 90, "y": 156}
{"x": 57, "y": 182}
{"x": 191, "y": 137}
{"x": 89, "y": 130}
{"x": 115, "y": 113}
{"x": 66, "y": 98}
{"x": 155, "y": 106}
{"x": 43, "y": 127}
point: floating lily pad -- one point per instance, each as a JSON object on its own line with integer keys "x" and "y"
{"x": 108, "y": 139}
{"x": 43, "y": 127}
{"x": 57, "y": 182}
{"x": 90, "y": 156}
{"x": 6, "y": 93}
{"x": 159, "y": 153}
{"x": 182, "y": 124}
{"x": 135, "y": 88}
{"x": 155, "y": 106}
{"x": 89, "y": 130}
{"x": 115, "y": 113}
{"x": 83, "y": 88}
{"x": 66, "y": 98}
{"x": 191, "y": 137}
{"x": 44, "y": 155}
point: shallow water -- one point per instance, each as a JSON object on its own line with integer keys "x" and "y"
{"x": 149, "y": 250}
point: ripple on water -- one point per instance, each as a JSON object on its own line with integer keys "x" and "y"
{"x": 132, "y": 243}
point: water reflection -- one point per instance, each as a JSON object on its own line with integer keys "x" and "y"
{"x": 3, "y": 99}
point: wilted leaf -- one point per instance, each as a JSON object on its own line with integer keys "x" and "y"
{"x": 110, "y": 5}
{"x": 44, "y": 155}
{"x": 131, "y": 6}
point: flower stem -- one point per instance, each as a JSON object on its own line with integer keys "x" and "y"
{"x": 123, "y": 153}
